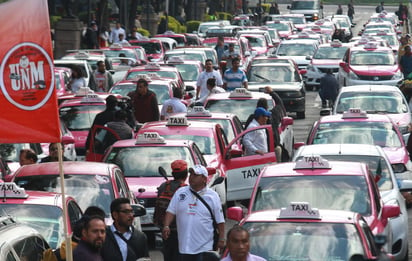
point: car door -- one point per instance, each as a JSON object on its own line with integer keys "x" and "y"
{"x": 100, "y": 138}
{"x": 242, "y": 170}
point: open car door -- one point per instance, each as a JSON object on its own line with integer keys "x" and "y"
{"x": 101, "y": 138}
{"x": 242, "y": 170}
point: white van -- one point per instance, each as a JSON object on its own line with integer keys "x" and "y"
{"x": 312, "y": 9}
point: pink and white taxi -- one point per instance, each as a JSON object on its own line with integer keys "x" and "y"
{"x": 369, "y": 64}
{"x": 332, "y": 185}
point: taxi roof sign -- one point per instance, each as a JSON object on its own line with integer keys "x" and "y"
{"x": 92, "y": 98}
{"x": 175, "y": 59}
{"x": 299, "y": 210}
{"x": 198, "y": 111}
{"x": 11, "y": 190}
{"x": 116, "y": 46}
{"x": 83, "y": 91}
{"x": 240, "y": 92}
{"x": 152, "y": 66}
{"x": 353, "y": 113}
{"x": 370, "y": 45}
{"x": 336, "y": 43}
{"x": 150, "y": 137}
{"x": 312, "y": 162}
{"x": 177, "y": 121}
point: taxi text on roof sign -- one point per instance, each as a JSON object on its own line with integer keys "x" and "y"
{"x": 301, "y": 210}
{"x": 240, "y": 92}
{"x": 354, "y": 113}
{"x": 312, "y": 162}
{"x": 152, "y": 66}
{"x": 11, "y": 190}
{"x": 177, "y": 121}
{"x": 199, "y": 111}
{"x": 150, "y": 137}
{"x": 175, "y": 59}
{"x": 92, "y": 98}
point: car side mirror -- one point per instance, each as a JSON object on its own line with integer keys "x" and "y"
{"x": 67, "y": 140}
{"x": 286, "y": 121}
{"x": 138, "y": 210}
{"x": 235, "y": 153}
{"x": 235, "y": 213}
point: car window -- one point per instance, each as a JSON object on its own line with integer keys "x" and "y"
{"x": 335, "y": 192}
{"x": 75, "y": 213}
{"x": 30, "y": 249}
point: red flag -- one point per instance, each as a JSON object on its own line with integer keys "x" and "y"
{"x": 28, "y": 104}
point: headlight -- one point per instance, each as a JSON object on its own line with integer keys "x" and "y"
{"x": 397, "y": 76}
{"x": 353, "y": 76}
{"x": 398, "y": 167}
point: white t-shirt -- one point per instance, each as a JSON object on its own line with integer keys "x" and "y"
{"x": 114, "y": 34}
{"x": 75, "y": 84}
{"x": 172, "y": 106}
{"x": 255, "y": 140}
{"x": 194, "y": 223}
{"x": 202, "y": 80}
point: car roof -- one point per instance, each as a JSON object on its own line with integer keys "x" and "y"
{"x": 340, "y": 168}
{"x": 225, "y": 96}
{"x": 327, "y": 216}
{"x": 341, "y": 118}
{"x": 339, "y": 149}
{"x": 38, "y": 198}
{"x": 370, "y": 88}
{"x": 69, "y": 167}
{"x": 167, "y": 143}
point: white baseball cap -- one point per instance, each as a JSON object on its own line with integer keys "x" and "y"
{"x": 199, "y": 170}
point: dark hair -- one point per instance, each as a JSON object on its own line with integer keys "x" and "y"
{"x": 78, "y": 71}
{"x": 211, "y": 82}
{"x": 100, "y": 62}
{"x": 177, "y": 93}
{"x": 115, "y": 205}
{"x": 111, "y": 101}
{"x": 180, "y": 174}
{"x": 236, "y": 228}
{"x": 122, "y": 55}
{"x": 29, "y": 154}
{"x": 262, "y": 102}
{"x": 51, "y": 144}
{"x": 221, "y": 38}
{"x": 208, "y": 60}
{"x": 141, "y": 80}
{"x": 94, "y": 211}
{"x": 236, "y": 59}
{"x": 88, "y": 219}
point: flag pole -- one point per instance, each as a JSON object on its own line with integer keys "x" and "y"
{"x": 69, "y": 251}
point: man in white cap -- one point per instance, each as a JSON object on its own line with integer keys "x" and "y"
{"x": 193, "y": 219}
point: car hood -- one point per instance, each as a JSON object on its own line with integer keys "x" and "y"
{"x": 290, "y": 86}
{"x": 396, "y": 154}
{"x": 320, "y": 62}
{"x": 375, "y": 69}
{"x": 150, "y": 184}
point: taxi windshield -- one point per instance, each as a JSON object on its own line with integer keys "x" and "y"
{"x": 302, "y": 5}
{"x": 187, "y": 56}
{"x": 241, "y": 107}
{"x": 149, "y": 47}
{"x": 115, "y": 53}
{"x": 357, "y": 132}
{"x": 334, "y": 192}
{"x": 206, "y": 144}
{"x": 48, "y": 220}
{"x": 372, "y": 58}
{"x": 297, "y": 49}
{"x": 161, "y": 91}
{"x": 188, "y": 71}
{"x": 271, "y": 73}
{"x": 256, "y": 41}
{"x": 279, "y": 26}
{"x": 372, "y": 102}
{"x": 295, "y": 19}
{"x": 123, "y": 89}
{"x": 80, "y": 118}
{"x": 87, "y": 190}
{"x": 144, "y": 161}
{"x": 304, "y": 240}
{"x": 329, "y": 52}
{"x": 377, "y": 165}
{"x": 225, "y": 123}
{"x": 163, "y": 74}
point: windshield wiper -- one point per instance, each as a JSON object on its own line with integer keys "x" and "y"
{"x": 261, "y": 77}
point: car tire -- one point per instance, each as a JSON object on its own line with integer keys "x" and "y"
{"x": 300, "y": 114}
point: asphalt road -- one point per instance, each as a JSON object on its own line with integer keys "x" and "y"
{"x": 313, "y": 103}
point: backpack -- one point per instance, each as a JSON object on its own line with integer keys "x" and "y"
{"x": 162, "y": 202}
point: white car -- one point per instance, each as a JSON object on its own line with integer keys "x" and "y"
{"x": 381, "y": 169}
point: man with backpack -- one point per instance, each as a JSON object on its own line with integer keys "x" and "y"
{"x": 165, "y": 193}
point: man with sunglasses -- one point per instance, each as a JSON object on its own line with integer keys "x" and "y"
{"x": 123, "y": 242}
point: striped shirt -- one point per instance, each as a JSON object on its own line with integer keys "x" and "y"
{"x": 233, "y": 79}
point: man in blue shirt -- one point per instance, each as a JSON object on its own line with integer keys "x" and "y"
{"x": 234, "y": 77}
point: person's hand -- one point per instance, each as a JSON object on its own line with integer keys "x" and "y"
{"x": 259, "y": 152}
{"x": 221, "y": 244}
{"x": 166, "y": 232}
